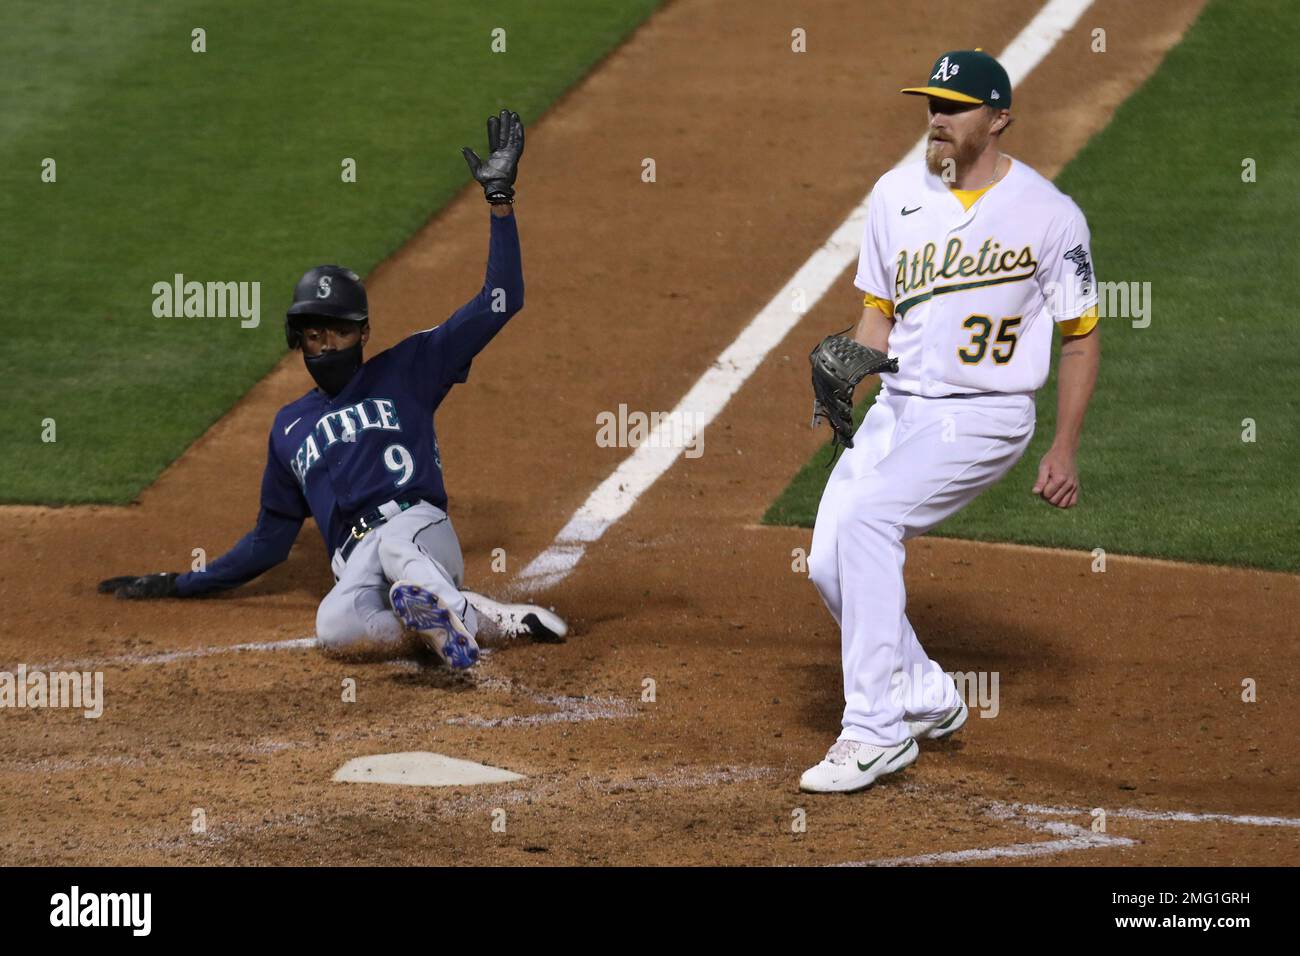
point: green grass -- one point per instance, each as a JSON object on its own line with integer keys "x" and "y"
{"x": 1163, "y": 467}
{"x": 225, "y": 166}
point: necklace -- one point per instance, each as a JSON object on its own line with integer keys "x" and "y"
{"x": 996, "y": 164}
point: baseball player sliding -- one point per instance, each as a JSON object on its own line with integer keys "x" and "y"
{"x": 967, "y": 261}
{"x": 359, "y": 454}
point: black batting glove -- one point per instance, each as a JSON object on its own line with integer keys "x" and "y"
{"x": 497, "y": 173}
{"x": 139, "y": 587}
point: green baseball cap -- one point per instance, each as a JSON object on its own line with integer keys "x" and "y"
{"x": 967, "y": 76}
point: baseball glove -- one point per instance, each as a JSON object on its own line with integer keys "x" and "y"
{"x": 160, "y": 585}
{"x": 838, "y": 365}
{"x": 497, "y": 173}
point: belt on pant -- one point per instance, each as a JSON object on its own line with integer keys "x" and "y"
{"x": 371, "y": 520}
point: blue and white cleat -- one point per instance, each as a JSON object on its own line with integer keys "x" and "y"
{"x": 440, "y": 628}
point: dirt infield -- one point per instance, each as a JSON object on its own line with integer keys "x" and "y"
{"x": 1118, "y": 690}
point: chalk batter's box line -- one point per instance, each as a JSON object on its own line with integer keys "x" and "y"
{"x": 1069, "y": 837}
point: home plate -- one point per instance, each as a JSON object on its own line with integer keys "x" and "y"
{"x": 420, "y": 769}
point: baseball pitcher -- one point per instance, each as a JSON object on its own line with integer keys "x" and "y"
{"x": 359, "y": 454}
{"x": 968, "y": 260}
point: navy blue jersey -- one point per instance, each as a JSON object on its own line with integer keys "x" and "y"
{"x": 338, "y": 458}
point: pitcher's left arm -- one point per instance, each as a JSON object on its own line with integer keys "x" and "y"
{"x": 1058, "y": 476}
{"x": 1070, "y": 291}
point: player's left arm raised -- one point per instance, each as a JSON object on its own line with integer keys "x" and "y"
{"x": 497, "y": 173}
{"x": 474, "y": 324}
{"x": 1058, "y": 475}
{"x": 440, "y": 357}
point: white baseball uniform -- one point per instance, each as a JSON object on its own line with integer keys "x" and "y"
{"x": 973, "y": 292}
{"x": 417, "y": 545}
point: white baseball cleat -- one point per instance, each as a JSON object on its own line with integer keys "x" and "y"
{"x": 518, "y": 620}
{"x": 439, "y": 627}
{"x": 941, "y": 726}
{"x": 850, "y": 765}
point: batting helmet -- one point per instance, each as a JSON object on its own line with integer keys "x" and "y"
{"x": 331, "y": 292}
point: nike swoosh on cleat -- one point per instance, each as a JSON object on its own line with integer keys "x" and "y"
{"x": 864, "y": 767}
{"x": 908, "y": 746}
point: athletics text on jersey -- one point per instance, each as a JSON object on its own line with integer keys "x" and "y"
{"x": 974, "y": 291}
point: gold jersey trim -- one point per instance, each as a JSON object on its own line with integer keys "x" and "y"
{"x": 884, "y": 305}
{"x": 1082, "y": 325}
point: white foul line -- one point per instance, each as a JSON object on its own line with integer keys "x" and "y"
{"x": 615, "y": 496}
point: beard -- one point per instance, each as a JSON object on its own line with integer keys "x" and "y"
{"x": 949, "y": 159}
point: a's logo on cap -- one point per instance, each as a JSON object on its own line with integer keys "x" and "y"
{"x": 945, "y": 71}
{"x": 323, "y": 287}
{"x": 994, "y": 95}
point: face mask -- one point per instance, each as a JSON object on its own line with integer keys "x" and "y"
{"x": 333, "y": 370}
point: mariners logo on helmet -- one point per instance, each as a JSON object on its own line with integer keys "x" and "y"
{"x": 330, "y": 292}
